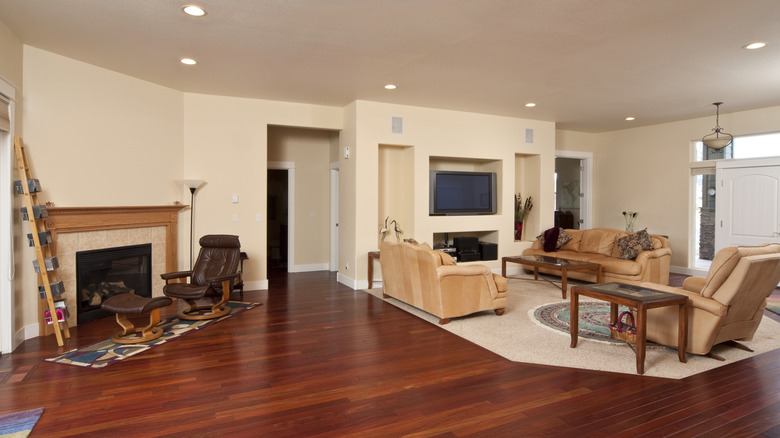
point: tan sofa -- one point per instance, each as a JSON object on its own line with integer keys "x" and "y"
{"x": 432, "y": 281}
{"x": 598, "y": 245}
{"x": 726, "y": 305}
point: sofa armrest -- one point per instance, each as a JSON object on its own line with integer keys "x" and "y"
{"x": 467, "y": 270}
{"x": 694, "y": 284}
{"x": 644, "y": 256}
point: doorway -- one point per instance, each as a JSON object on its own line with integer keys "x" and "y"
{"x": 573, "y": 189}
{"x": 278, "y": 219}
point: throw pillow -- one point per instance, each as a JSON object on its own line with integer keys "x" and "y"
{"x": 551, "y": 241}
{"x": 630, "y": 246}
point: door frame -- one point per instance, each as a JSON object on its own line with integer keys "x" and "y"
{"x": 334, "y": 217}
{"x": 586, "y": 184}
{"x": 7, "y": 263}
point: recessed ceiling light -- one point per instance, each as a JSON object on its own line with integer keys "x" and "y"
{"x": 195, "y": 11}
{"x": 630, "y": 118}
{"x": 530, "y": 105}
{"x": 188, "y": 61}
{"x": 754, "y": 46}
{"x": 390, "y": 87}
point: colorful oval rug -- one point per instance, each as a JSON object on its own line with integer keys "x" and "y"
{"x": 593, "y": 316}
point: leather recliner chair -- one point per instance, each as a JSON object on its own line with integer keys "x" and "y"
{"x": 212, "y": 277}
{"x": 727, "y": 305}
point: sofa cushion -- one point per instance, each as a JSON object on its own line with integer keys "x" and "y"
{"x": 630, "y": 246}
{"x": 597, "y": 241}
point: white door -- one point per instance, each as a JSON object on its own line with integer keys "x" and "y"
{"x": 747, "y": 212}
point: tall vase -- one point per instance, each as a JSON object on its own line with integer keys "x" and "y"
{"x": 518, "y": 230}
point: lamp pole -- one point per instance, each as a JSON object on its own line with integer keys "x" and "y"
{"x": 193, "y": 185}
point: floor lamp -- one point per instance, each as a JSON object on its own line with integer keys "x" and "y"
{"x": 193, "y": 185}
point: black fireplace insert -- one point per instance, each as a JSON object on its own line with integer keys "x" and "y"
{"x": 103, "y": 273}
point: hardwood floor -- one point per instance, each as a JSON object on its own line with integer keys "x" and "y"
{"x": 319, "y": 359}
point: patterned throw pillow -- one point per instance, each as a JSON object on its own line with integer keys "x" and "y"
{"x": 563, "y": 239}
{"x": 630, "y": 246}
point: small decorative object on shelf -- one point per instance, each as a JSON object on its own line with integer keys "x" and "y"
{"x": 383, "y": 230}
{"x": 522, "y": 208}
{"x": 397, "y": 230}
{"x": 630, "y": 216}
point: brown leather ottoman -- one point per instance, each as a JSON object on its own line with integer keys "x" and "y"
{"x": 132, "y": 304}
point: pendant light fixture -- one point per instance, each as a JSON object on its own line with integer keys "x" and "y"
{"x": 718, "y": 139}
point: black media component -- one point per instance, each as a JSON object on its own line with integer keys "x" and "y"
{"x": 488, "y": 251}
{"x": 467, "y": 248}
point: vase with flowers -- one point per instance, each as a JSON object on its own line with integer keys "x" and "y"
{"x": 630, "y": 216}
{"x": 522, "y": 208}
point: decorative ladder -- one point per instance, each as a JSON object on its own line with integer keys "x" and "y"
{"x": 45, "y": 264}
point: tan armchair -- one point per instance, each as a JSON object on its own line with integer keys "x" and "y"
{"x": 727, "y": 305}
{"x": 431, "y": 281}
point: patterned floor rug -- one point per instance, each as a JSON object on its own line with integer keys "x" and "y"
{"x": 19, "y": 424}
{"x": 594, "y": 318}
{"x": 108, "y": 352}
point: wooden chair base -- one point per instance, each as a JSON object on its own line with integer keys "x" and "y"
{"x": 216, "y": 311}
{"x": 128, "y": 335}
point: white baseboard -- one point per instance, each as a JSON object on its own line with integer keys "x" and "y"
{"x": 27, "y": 332}
{"x": 256, "y": 285}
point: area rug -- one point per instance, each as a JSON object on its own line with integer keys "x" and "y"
{"x": 517, "y": 336}
{"x": 593, "y": 318}
{"x": 108, "y": 352}
{"x": 773, "y": 302}
{"x": 19, "y": 424}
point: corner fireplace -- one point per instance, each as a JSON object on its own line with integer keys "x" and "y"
{"x": 103, "y": 273}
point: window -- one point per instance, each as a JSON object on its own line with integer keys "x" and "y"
{"x": 747, "y": 146}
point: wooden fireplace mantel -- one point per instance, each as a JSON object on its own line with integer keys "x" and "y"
{"x": 80, "y": 219}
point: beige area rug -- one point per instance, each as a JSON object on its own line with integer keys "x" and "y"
{"x": 517, "y": 336}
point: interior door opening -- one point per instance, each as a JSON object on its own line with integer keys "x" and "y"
{"x": 278, "y": 224}
{"x": 568, "y": 193}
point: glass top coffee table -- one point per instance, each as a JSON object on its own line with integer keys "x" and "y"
{"x": 553, "y": 263}
{"x": 636, "y": 297}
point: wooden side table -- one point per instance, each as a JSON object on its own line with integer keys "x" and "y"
{"x": 636, "y": 297}
{"x": 372, "y": 255}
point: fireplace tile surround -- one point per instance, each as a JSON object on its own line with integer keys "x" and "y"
{"x": 89, "y": 228}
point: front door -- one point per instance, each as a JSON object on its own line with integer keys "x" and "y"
{"x": 747, "y": 211}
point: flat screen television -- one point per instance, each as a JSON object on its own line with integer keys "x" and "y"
{"x": 462, "y": 193}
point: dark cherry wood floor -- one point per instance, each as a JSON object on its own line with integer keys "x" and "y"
{"x": 319, "y": 359}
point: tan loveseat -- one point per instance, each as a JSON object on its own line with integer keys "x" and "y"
{"x": 726, "y": 305}
{"x": 598, "y": 245}
{"x": 432, "y": 281}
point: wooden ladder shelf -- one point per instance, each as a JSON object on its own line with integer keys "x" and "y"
{"x": 46, "y": 264}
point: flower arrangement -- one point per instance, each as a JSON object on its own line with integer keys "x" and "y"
{"x": 522, "y": 208}
{"x": 630, "y": 216}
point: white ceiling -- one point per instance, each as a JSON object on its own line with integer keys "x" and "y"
{"x": 587, "y": 64}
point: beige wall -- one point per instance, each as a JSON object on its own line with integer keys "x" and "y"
{"x": 94, "y": 137}
{"x": 226, "y": 144}
{"x": 647, "y": 170}
{"x": 438, "y": 133}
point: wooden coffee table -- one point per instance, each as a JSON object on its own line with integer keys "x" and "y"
{"x": 635, "y": 297}
{"x": 561, "y": 265}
